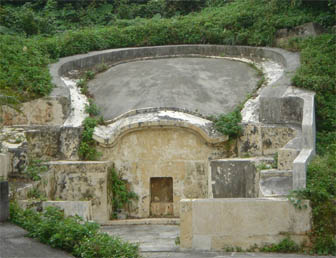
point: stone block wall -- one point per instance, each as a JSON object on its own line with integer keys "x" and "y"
{"x": 215, "y": 224}
{"x": 76, "y": 181}
{"x": 163, "y": 152}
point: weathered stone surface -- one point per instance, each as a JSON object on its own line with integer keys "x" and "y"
{"x": 79, "y": 180}
{"x": 4, "y": 166}
{"x": 157, "y": 117}
{"x": 162, "y": 152}
{"x": 249, "y": 144}
{"x": 75, "y": 181}
{"x": 70, "y": 138}
{"x": 4, "y": 201}
{"x": 233, "y": 178}
{"x": 44, "y": 142}
{"x": 304, "y": 30}
{"x": 275, "y": 137}
{"x": 72, "y": 208}
{"x": 286, "y": 157}
{"x": 44, "y": 111}
{"x": 275, "y": 182}
{"x": 281, "y": 110}
{"x": 19, "y": 158}
{"x": 186, "y": 222}
{"x": 241, "y": 223}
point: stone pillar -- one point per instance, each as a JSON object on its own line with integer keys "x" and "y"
{"x": 4, "y": 166}
{"x": 4, "y": 201}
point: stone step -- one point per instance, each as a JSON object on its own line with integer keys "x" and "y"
{"x": 289, "y": 152}
{"x": 274, "y": 182}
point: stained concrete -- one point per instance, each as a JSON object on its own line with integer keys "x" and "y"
{"x": 233, "y": 178}
{"x": 158, "y": 241}
{"x": 151, "y": 238}
{"x": 207, "y": 85}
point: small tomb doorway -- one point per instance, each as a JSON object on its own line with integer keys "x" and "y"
{"x": 161, "y": 190}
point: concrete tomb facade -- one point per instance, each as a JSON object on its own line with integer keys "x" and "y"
{"x": 173, "y": 158}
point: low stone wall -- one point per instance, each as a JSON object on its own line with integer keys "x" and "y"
{"x": 75, "y": 181}
{"x": 43, "y": 111}
{"x": 214, "y": 224}
{"x": 72, "y": 208}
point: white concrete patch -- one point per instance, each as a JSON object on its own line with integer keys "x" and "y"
{"x": 185, "y": 117}
{"x": 272, "y": 72}
{"x": 78, "y": 102}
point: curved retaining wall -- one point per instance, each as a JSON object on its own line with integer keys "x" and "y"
{"x": 276, "y": 104}
{"x": 290, "y": 61}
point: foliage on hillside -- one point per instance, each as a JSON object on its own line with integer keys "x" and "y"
{"x": 23, "y": 61}
{"x": 318, "y": 73}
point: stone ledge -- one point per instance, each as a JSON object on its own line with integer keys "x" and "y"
{"x": 108, "y": 135}
{"x": 149, "y": 221}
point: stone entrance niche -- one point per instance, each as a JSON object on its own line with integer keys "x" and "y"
{"x": 161, "y": 190}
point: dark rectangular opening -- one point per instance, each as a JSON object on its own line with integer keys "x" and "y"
{"x": 161, "y": 189}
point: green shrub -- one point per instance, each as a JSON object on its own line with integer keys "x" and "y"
{"x": 34, "y": 169}
{"x": 71, "y": 234}
{"x": 286, "y": 245}
{"x": 87, "y": 150}
{"x": 92, "y": 108}
{"x": 229, "y": 124}
{"x": 240, "y": 22}
{"x": 118, "y": 193}
{"x": 23, "y": 68}
{"x": 35, "y": 193}
{"x": 317, "y": 73}
{"x": 103, "y": 245}
{"x": 321, "y": 191}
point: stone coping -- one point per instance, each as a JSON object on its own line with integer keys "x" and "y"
{"x": 108, "y": 135}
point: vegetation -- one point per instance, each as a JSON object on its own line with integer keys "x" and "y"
{"x": 286, "y": 245}
{"x": 87, "y": 149}
{"x": 36, "y": 33}
{"x": 34, "y": 169}
{"x": 321, "y": 191}
{"x": 229, "y": 124}
{"x": 25, "y": 54}
{"x": 35, "y": 193}
{"x": 118, "y": 193}
{"x": 317, "y": 73}
{"x": 72, "y": 234}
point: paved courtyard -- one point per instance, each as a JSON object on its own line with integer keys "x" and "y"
{"x": 207, "y": 85}
{"x": 158, "y": 241}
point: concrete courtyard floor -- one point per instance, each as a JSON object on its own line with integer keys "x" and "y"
{"x": 209, "y": 86}
{"x": 158, "y": 241}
